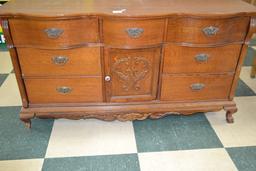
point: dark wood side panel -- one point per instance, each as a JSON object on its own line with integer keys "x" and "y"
{"x": 74, "y": 90}
{"x": 72, "y": 32}
{"x": 191, "y": 30}
{"x": 251, "y": 31}
{"x": 15, "y": 63}
{"x": 178, "y": 59}
{"x": 187, "y": 88}
{"x": 78, "y": 61}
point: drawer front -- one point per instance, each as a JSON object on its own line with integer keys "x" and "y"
{"x": 178, "y": 59}
{"x": 80, "y": 61}
{"x": 133, "y": 32}
{"x": 73, "y": 90}
{"x": 207, "y": 31}
{"x": 191, "y": 88}
{"x": 54, "y": 33}
{"x": 131, "y": 75}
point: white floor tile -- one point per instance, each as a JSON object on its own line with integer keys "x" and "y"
{"x": 245, "y": 76}
{"x": 90, "y": 137}
{"x": 243, "y": 131}
{"x": 9, "y": 92}
{"x": 21, "y": 165}
{"x": 5, "y": 63}
{"x": 197, "y": 160}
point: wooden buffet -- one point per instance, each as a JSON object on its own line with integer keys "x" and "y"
{"x": 129, "y": 59}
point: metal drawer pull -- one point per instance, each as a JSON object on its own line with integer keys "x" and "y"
{"x": 60, "y": 60}
{"x": 134, "y": 32}
{"x": 53, "y": 33}
{"x": 201, "y": 57}
{"x": 197, "y": 86}
{"x": 64, "y": 90}
{"x": 211, "y": 30}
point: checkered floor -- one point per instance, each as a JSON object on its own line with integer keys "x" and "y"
{"x": 197, "y": 142}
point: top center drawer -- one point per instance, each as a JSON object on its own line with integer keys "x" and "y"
{"x": 125, "y": 32}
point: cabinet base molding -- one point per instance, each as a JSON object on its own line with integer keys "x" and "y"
{"x": 127, "y": 112}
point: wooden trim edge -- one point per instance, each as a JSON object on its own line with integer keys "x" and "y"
{"x": 125, "y": 113}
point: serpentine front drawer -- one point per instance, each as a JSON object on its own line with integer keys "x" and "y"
{"x": 178, "y": 59}
{"x": 195, "y": 87}
{"x": 54, "y": 33}
{"x": 69, "y": 62}
{"x": 64, "y": 90}
{"x": 207, "y": 30}
{"x": 133, "y": 33}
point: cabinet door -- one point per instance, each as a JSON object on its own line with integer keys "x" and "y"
{"x": 131, "y": 75}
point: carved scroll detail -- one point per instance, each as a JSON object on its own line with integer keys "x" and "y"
{"x": 130, "y": 71}
{"x": 110, "y": 116}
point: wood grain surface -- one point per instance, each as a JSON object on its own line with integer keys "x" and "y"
{"x": 134, "y": 8}
{"x": 79, "y": 61}
{"x": 86, "y": 89}
{"x": 178, "y": 59}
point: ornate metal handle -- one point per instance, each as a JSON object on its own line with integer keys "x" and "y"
{"x": 64, "y": 90}
{"x": 197, "y": 86}
{"x": 134, "y": 32}
{"x": 53, "y": 33}
{"x": 211, "y": 30}
{"x": 107, "y": 78}
{"x": 201, "y": 57}
{"x": 60, "y": 60}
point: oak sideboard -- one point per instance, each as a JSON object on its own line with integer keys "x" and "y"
{"x": 129, "y": 59}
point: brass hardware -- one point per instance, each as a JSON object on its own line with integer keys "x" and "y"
{"x": 53, "y": 33}
{"x": 134, "y": 32}
{"x": 197, "y": 86}
{"x": 64, "y": 90}
{"x": 201, "y": 57}
{"x": 211, "y": 30}
{"x": 60, "y": 60}
{"x": 107, "y": 78}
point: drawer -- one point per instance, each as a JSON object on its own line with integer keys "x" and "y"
{"x": 178, "y": 59}
{"x": 207, "y": 31}
{"x": 54, "y": 33}
{"x": 72, "y": 90}
{"x": 80, "y": 61}
{"x": 133, "y": 32}
{"x": 197, "y": 87}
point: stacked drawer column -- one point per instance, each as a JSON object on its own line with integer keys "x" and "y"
{"x": 201, "y": 55}
{"x": 56, "y": 63}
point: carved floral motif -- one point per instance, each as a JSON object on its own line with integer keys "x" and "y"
{"x": 130, "y": 71}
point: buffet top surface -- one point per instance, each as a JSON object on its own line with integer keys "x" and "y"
{"x": 126, "y": 8}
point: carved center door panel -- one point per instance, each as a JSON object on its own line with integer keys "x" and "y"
{"x": 131, "y": 75}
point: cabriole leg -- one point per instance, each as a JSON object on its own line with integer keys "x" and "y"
{"x": 26, "y": 118}
{"x": 230, "y": 110}
{"x": 27, "y": 122}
